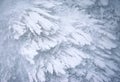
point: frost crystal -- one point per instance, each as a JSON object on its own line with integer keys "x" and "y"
{"x": 59, "y": 41}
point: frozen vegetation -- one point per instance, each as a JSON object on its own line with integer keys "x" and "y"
{"x": 59, "y": 40}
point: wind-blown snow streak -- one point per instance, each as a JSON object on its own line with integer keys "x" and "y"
{"x": 59, "y": 41}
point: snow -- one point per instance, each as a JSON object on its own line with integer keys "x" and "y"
{"x": 100, "y": 63}
{"x": 45, "y": 13}
{"x": 34, "y": 28}
{"x": 58, "y": 66}
{"x": 50, "y": 68}
{"x": 106, "y": 43}
{"x": 59, "y": 41}
{"x": 19, "y": 30}
{"x": 104, "y": 2}
{"x": 41, "y": 75}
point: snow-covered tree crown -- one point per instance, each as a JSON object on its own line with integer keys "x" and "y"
{"x": 59, "y": 41}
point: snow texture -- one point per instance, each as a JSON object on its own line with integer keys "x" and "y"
{"x": 59, "y": 41}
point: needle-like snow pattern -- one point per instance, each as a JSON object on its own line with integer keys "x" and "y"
{"x": 60, "y": 41}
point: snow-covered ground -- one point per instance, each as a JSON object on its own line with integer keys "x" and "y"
{"x": 59, "y": 41}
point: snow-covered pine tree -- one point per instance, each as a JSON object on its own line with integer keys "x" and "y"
{"x": 59, "y": 41}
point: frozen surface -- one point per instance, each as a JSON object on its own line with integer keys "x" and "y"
{"x": 59, "y": 41}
